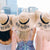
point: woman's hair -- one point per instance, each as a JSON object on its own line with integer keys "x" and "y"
{"x": 23, "y": 35}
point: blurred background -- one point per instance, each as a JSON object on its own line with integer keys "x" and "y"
{"x": 17, "y": 6}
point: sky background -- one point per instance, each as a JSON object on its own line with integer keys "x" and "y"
{"x": 43, "y": 5}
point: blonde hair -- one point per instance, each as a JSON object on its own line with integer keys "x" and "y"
{"x": 23, "y": 35}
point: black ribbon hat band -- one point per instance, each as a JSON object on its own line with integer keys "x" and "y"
{"x": 25, "y": 22}
{"x": 43, "y": 20}
{"x": 6, "y": 21}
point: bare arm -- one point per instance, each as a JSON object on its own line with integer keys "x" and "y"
{"x": 37, "y": 42}
{"x": 13, "y": 41}
{"x": 34, "y": 31}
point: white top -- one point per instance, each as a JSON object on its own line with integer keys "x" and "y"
{"x": 5, "y": 47}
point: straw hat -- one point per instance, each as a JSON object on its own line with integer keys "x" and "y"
{"x": 42, "y": 20}
{"x": 5, "y": 22}
{"x": 24, "y": 21}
